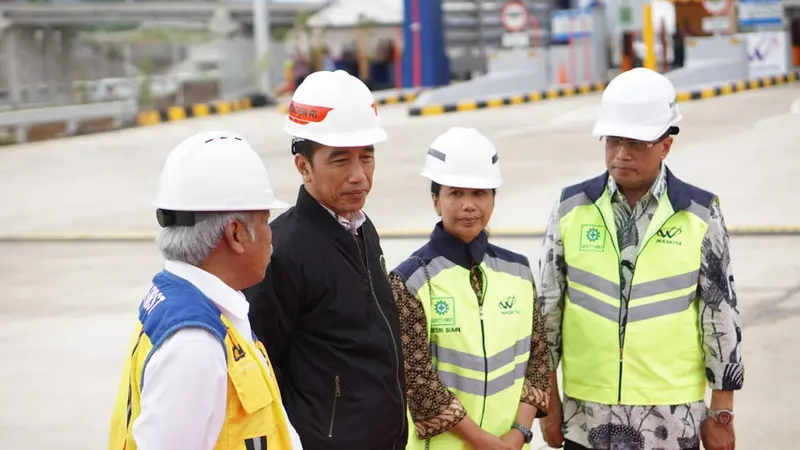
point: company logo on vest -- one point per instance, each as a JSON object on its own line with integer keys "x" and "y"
{"x": 669, "y": 236}
{"x": 508, "y": 306}
{"x": 593, "y": 238}
{"x": 443, "y": 319}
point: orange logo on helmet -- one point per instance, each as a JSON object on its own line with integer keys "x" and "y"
{"x": 305, "y": 114}
{"x": 374, "y": 106}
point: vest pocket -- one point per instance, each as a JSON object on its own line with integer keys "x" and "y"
{"x": 337, "y": 392}
{"x": 249, "y": 383}
{"x": 259, "y": 443}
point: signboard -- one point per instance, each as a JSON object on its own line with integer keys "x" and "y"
{"x": 767, "y": 53}
{"x": 514, "y": 16}
{"x": 760, "y": 13}
{"x": 716, "y": 24}
{"x": 571, "y": 23}
{"x": 717, "y": 7}
{"x": 521, "y": 39}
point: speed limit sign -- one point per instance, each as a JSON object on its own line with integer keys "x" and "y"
{"x": 514, "y": 16}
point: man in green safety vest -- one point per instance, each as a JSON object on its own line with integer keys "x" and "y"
{"x": 637, "y": 292}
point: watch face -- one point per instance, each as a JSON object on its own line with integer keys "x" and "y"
{"x": 724, "y": 418}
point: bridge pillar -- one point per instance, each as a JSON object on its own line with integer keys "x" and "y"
{"x": 10, "y": 41}
{"x": 66, "y": 72}
{"x": 49, "y": 66}
{"x": 236, "y": 72}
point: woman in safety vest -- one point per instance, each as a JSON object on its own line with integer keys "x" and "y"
{"x": 476, "y": 365}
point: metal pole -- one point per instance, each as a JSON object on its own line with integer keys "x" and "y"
{"x": 481, "y": 32}
{"x": 548, "y": 49}
{"x": 261, "y": 36}
{"x": 648, "y": 37}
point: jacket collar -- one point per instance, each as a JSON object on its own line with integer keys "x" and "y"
{"x": 315, "y": 214}
{"x": 456, "y": 250}
{"x": 229, "y": 300}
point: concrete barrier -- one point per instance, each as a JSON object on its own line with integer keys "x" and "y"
{"x": 178, "y": 112}
{"x": 737, "y": 86}
{"x": 67, "y": 120}
{"x": 497, "y": 102}
{"x": 711, "y": 60}
{"x": 708, "y": 91}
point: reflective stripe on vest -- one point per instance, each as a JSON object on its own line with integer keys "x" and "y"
{"x": 253, "y": 416}
{"x": 658, "y": 360}
{"x": 480, "y": 353}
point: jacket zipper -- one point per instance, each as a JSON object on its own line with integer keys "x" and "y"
{"x": 337, "y": 392}
{"x": 391, "y": 335}
{"x": 483, "y": 343}
{"x": 623, "y": 318}
{"x": 621, "y": 327}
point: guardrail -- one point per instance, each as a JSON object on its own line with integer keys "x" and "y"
{"x": 68, "y": 119}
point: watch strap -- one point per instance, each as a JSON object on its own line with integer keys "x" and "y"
{"x": 525, "y": 432}
{"x": 715, "y": 413}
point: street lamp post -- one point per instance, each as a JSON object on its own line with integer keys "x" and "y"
{"x": 261, "y": 36}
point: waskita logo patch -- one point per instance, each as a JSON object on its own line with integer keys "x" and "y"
{"x": 508, "y": 306}
{"x": 669, "y": 235}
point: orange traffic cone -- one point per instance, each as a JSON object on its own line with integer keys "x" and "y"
{"x": 562, "y": 74}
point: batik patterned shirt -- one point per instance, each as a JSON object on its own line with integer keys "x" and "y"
{"x": 663, "y": 427}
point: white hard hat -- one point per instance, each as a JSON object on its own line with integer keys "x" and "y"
{"x": 334, "y": 109}
{"x": 215, "y": 171}
{"x": 638, "y": 104}
{"x": 463, "y": 157}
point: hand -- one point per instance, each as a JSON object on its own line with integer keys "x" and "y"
{"x": 514, "y": 438}
{"x": 488, "y": 441}
{"x": 551, "y": 425}
{"x": 716, "y": 436}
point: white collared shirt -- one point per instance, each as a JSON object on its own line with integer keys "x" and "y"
{"x": 351, "y": 223}
{"x": 186, "y": 380}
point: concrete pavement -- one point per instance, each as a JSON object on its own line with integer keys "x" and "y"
{"x": 69, "y": 307}
{"x": 735, "y": 145}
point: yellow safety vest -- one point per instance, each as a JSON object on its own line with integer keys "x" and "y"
{"x": 253, "y": 416}
{"x": 659, "y": 360}
{"x": 480, "y": 352}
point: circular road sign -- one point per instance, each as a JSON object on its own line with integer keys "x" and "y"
{"x": 514, "y": 16}
{"x": 717, "y": 7}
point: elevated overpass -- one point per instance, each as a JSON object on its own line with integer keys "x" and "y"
{"x": 68, "y": 14}
{"x": 37, "y": 39}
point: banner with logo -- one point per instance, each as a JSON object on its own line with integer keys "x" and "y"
{"x": 768, "y": 53}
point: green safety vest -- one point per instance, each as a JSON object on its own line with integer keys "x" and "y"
{"x": 480, "y": 352}
{"x": 659, "y": 360}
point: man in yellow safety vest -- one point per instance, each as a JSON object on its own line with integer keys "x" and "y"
{"x": 638, "y": 292}
{"x": 195, "y": 377}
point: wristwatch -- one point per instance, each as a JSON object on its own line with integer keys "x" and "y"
{"x": 723, "y": 416}
{"x": 525, "y": 432}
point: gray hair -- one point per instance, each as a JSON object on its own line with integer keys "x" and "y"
{"x": 193, "y": 244}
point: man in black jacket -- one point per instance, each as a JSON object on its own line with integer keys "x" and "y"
{"x": 325, "y": 310}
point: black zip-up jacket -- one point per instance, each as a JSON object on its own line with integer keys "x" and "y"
{"x": 326, "y": 315}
